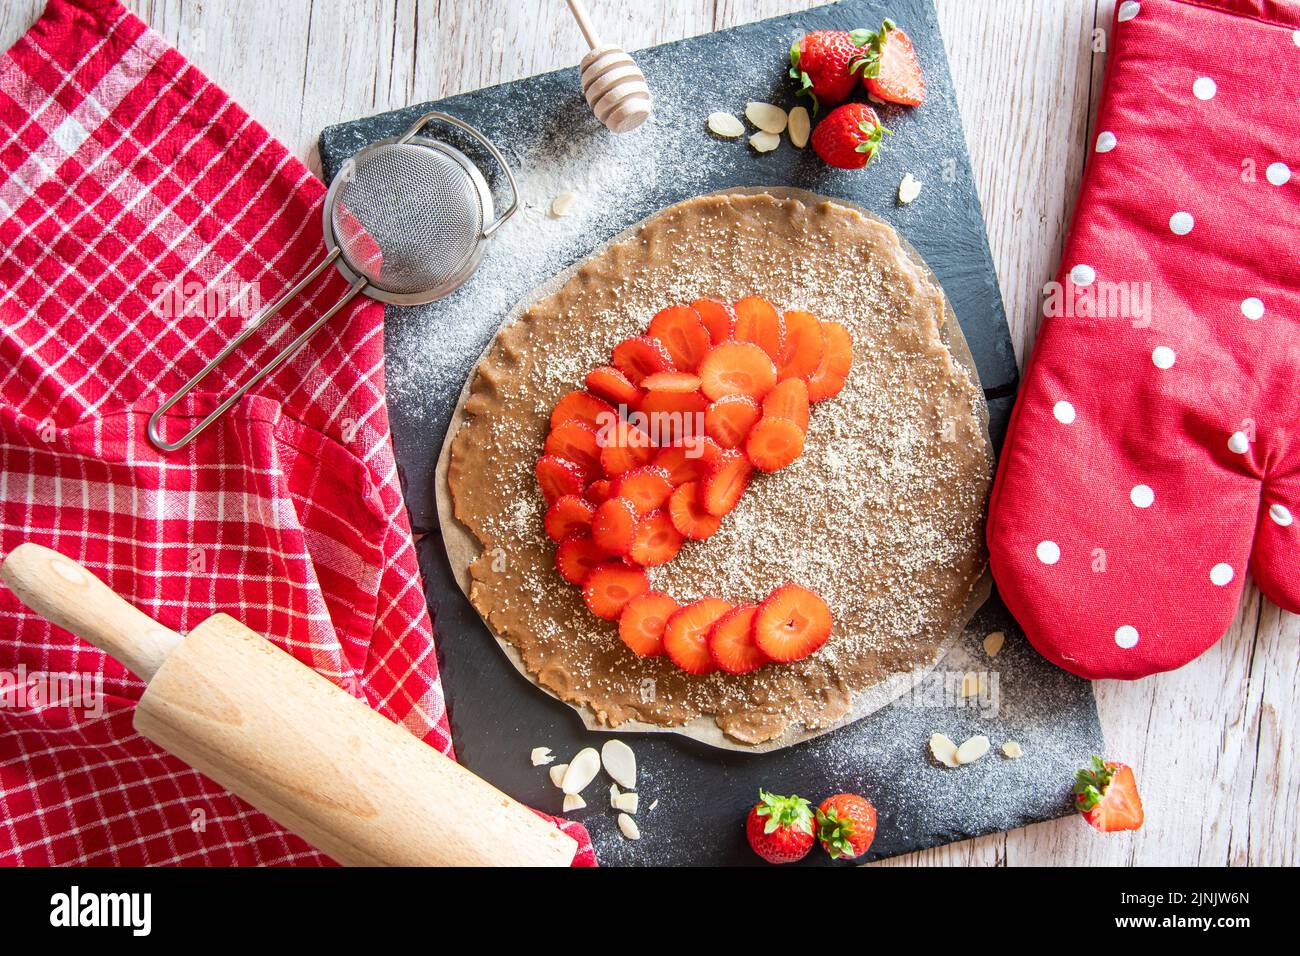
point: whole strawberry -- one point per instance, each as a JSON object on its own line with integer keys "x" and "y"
{"x": 1107, "y": 795}
{"x": 846, "y": 825}
{"x": 821, "y": 60}
{"x": 780, "y": 829}
{"x": 849, "y": 137}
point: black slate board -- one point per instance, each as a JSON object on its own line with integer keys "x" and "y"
{"x": 553, "y": 143}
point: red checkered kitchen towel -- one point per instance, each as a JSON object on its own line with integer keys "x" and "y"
{"x": 143, "y": 216}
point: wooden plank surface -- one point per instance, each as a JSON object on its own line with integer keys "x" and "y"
{"x": 1214, "y": 743}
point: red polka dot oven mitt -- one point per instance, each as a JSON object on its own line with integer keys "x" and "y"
{"x": 1154, "y": 454}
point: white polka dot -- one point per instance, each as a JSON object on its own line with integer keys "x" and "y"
{"x": 1064, "y": 412}
{"x": 1142, "y": 496}
{"x": 1126, "y": 636}
{"x": 1296, "y": 36}
{"x": 1205, "y": 88}
{"x": 1049, "y": 552}
{"x": 1163, "y": 356}
{"x": 1239, "y": 443}
{"x": 1252, "y": 308}
{"x": 1128, "y": 10}
{"x": 1083, "y": 274}
{"x": 1280, "y": 514}
{"x": 1220, "y": 574}
{"x": 1181, "y": 223}
{"x": 1106, "y": 142}
{"x": 1279, "y": 174}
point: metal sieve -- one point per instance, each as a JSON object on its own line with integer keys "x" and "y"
{"x": 406, "y": 221}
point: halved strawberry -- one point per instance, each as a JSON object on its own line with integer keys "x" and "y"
{"x": 577, "y": 557}
{"x": 890, "y": 69}
{"x": 758, "y": 322}
{"x": 656, "y": 542}
{"x": 682, "y": 332}
{"x": 641, "y": 625}
{"x": 599, "y": 491}
{"x": 647, "y": 487}
{"x": 583, "y": 407}
{"x": 575, "y": 441}
{"x": 686, "y": 635}
{"x": 613, "y": 386}
{"x": 641, "y": 356}
{"x": 737, "y": 368}
{"x": 1107, "y": 795}
{"x": 730, "y": 418}
{"x": 726, "y": 484}
{"x": 774, "y": 443}
{"x": 688, "y": 461}
{"x": 623, "y": 448}
{"x": 611, "y": 586}
{"x": 791, "y": 623}
{"x": 718, "y": 317}
{"x": 788, "y": 400}
{"x": 836, "y": 361}
{"x": 688, "y": 514}
{"x": 731, "y": 641}
{"x": 558, "y": 477}
{"x": 685, "y": 405}
{"x": 569, "y": 515}
{"x": 803, "y": 346}
{"x": 613, "y": 526}
{"x": 671, "y": 382}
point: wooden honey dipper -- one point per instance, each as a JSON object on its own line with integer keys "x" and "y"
{"x": 613, "y": 84}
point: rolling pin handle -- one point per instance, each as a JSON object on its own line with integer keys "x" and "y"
{"x": 62, "y": 591}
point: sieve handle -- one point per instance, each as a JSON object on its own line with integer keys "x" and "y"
{"x": 486, "y": 144}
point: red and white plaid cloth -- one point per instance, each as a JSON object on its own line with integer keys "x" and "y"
{"x": 129, "y": 185}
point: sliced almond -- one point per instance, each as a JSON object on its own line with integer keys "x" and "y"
{"x": 970, "y": 684}
{"x": 628, "y": 826}
{"x": 557, "y": 773}
{"x": 726, "y": 125}
{"x": 764, "y": 142}
{"x": 800, "y": 125}
{"x": 768, "y": 118}
{"x": 944, "y": 750}
{"x": 909, "y": 189}
{"x": 541, "y": 756}
{"x": 573, "y": 801}
{"x": 973, "y": 749}
{"x": 627, "y": 802}
{"x": 653, "y": 803}
{"x": 581, "y": 771}
{"x": 614, "y": 794}
{"x": 562, "y": 203}
{"x": 993, "y": 643}
{"x": 619, "y": 763}
{"x": 1012, "y": 749}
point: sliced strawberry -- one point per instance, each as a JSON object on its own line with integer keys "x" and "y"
{"x": 836, "y": 361}
{"x": 613, "y": 386}
{"x": 611, "y": 586}
{"x": 569, "y": 515}
{"x": 718, "y": 317}
{"x": 599, "y": 491}
{"x": 791, "y": 623}
{"x": 583, "y": 407}
{"x": 803, "y": 346}
{"x": 788, "y": 400}
{"x": 728, "y": 478}
{"x": 730, "y": 418}
{"x": 891, "y": 70}
{"x": 575, "y": 441}
{"x": 737, "y": 368}
{"x": 1107, "y": 795}
{"x": 682, "y": 404}
{"x": 623, "y": 448}
{"x": 688, "y": 514}
{"x": 731, "y": 641}
{"x": 671, "y": 382}
{"x": 641, "y": 625}
{"x": 641, "y": 356}
{"x": 758, "y": 322}
{"x": 688, "y": 461}
{"x": 686, "y": 635}
{"x": 613, "y": 526}
{"x": 558, "y": 477}
{"x": 657, "y": 541}
{"x": 774, "y": 443}
{"x": 647, "y": 487}
{"x": 682, "y": 332}
{"x": 576, "y": 557}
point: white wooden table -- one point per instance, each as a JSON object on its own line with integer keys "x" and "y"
{"x": 1214, "y": 743}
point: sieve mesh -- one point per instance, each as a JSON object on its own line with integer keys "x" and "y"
{"x": 407, "y": 218}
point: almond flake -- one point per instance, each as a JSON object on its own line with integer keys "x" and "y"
{"x": 909, "y": 189}
{"x": 541, "y": 756}
{"x": 653, "y": 803}
{"x": 768, "y": 118}
{"x": 993, "y": 643}
{"x": 726, "y": 125}
{"x": 620, "y": 763}
{"x": 562, "y": 203}
{"x": 627, "y": 802}
{"x": 764, "y": 142}
{"x": 1012, "y": 749}
{"x": 800, "y": 124}
{"x": 973, "y": 749}
{"x": 628, "y": 827}
{"x": 573, "y": 801}
{"x": 614, "y": 794}
{"x": 557, "y": 773}
{"x": 944, "y": 750}
{"x": 581, "y": 771}
{"x": 971, "y": 684}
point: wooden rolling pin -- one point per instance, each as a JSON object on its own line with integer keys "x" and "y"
{"x": 269, "y": 729}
